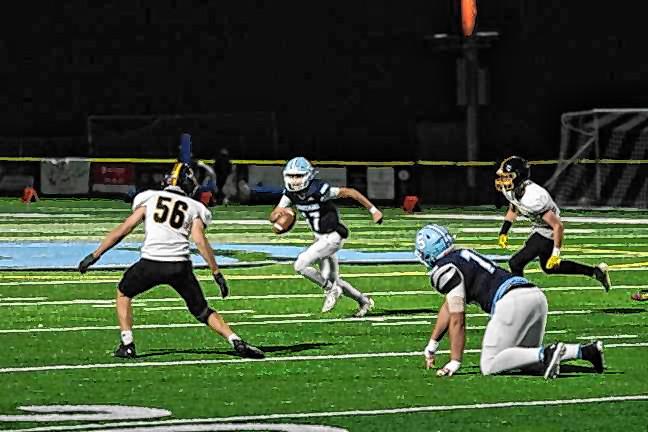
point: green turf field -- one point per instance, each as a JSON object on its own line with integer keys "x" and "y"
{"x": 58, "y": 329}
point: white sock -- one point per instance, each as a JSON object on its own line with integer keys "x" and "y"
{"x": 572, "y": 351}
{"x": 127, "y": 337}
{"x": 231, "y": 338}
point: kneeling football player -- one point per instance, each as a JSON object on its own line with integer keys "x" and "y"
{"x": 312, "y": 197}
{"x": 169, "y": 216}
{"x": 517, "y": 308}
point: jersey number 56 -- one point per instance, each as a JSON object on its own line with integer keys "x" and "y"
{"x": 164, "y": 208}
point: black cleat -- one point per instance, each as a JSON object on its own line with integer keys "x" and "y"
{"x": 125, "y": 351}
{"x": 602, "y": 275}
{"x": 244, "y": 350}
{"x": 551, "y": 361}
{"x": 593, "y": 353}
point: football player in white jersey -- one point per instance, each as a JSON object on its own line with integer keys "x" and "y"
{"x": 531, "y": 200}
{"x": 170, "y": 216}
{"x": 313, "y": 198}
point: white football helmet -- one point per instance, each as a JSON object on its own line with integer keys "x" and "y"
{"x": 298, "y": 174}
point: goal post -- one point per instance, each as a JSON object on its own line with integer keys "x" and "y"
{"x": 603, "y": 159}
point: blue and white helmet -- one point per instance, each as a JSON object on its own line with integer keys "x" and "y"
{"x": 298, "y": 174}
{"x": 433, "y": 242}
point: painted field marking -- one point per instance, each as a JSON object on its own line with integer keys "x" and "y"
{"x": 575, "y": 219}
{"x": 104, "y": 303}
{"x": 622, "y": 336}
{"x": 184, "y": 308}
{"x": 262, "y": 323}
{"x": 4, "y": 299}
{"x": 295, "y": 315}
{"x": 136, "y": 364}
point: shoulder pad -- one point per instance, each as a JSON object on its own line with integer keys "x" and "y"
{"x": 445, "y": 277}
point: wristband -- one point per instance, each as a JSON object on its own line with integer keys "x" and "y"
{"x": 556, "y": 251}
{"x": 373, "y": 209}
{"x": 506, "y": 226}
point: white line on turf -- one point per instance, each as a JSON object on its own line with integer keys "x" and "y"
{"x": 255, "y": 323}
{"x": 622, "y": 336}
{"x": 137, "y": 364}
{"x": 142, "y": 302}
{"x": 184, "y": 308}
{"x": 574, "y": 219}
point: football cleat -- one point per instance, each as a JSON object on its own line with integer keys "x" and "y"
{"x": 125, "y": 351}
{"x": 602, "y": 275}
{"x": 243, "y": 349}
{"x": 641, "y": 295}
{"x": 364, "y": 308}
{"x": 331, "y": 298}
{"x": 551, "y": 361}
{"x": 593, "y": 353}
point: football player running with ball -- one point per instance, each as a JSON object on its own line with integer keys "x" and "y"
{"x": 517, "y": 308}
{"x": 312, "y": 197}
{"x": 529, "y": 199}
{"x": 169, "y": 216}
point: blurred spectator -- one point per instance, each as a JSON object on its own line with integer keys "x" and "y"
{"x": 223, "y": 169}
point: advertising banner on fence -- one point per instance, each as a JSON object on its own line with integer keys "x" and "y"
{"x": 380, "y": 183}
{"x": 112, "y": 177}
{"x": 65, "y": 176}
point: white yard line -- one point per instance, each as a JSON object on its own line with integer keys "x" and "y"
{"x": 101, "y": 303}
{"x": 622, "y": 336}
{"x": 184, "y": 308}
{"x": 575, "y": 219}
{"x": 262, "y": 323}
{"x": 137, "y": 364}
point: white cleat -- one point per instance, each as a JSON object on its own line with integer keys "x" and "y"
{"x": 364, "y": 308}
{"x": 331, "y": 298}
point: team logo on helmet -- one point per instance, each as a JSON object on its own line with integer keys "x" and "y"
{"x": 512, "y": 173}
{"x": 432, "y": 243}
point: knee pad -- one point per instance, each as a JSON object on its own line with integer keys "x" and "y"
{"x": 203, "y": 315}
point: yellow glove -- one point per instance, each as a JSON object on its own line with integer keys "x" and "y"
{"x": 502, "y": 241}
{"x": 553, "y": 261}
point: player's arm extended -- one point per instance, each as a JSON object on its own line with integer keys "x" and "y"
{"x": 125, "y": 228}
{"x": 509, "y": 218}
{"x": 199, "y": 237}
{"x": 556, "y": 225}
{"x": 345, "y": 192}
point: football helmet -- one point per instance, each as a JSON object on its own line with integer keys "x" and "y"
{"x": 512, "y": 173}
{"x": 298, "y": 174}
{"x": 182, "y": 177}
{"x": 433, "y": 242}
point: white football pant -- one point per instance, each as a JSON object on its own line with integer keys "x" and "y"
{"x": 323, "y": 252}
{"x": 515, "y": 331}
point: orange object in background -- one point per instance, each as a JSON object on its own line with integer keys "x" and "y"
{"x": 411, "y": 204}
{"x": 29, "y": 195}
{"x": 468, "y": 16}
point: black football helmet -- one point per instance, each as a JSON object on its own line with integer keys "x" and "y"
{"x": 512, "y": 174}
{"x": 182, "y": 177}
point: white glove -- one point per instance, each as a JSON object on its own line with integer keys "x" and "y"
{"x": 449, "y": 369}
{"x": 430, "y": 353}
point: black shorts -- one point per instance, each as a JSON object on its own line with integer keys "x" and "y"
{"x": 146, "y": 274}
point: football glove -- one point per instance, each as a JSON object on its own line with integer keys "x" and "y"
{"x": 87, "y": 262}
{"x": 449, "y": 369}
{"x": 553, "y": 261}
{"x": 222, "y": 284}
{"x": 502, "y": 241}
{"x": 430, "y": 353}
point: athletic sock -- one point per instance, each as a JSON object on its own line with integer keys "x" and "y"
{"x": 127, "y": 337}
{"x": 572, "y": 267}
{"x": 572, "y": 351}
{"x": 231, "y": 338}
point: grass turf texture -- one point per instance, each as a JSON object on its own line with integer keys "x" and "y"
{"x": 280, "y": 312}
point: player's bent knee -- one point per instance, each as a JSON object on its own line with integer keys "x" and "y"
{"x": 486, "y": 366}
{"x": 300, "y": 264}
{"x": 203, "y": 315}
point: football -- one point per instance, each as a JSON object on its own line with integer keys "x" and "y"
{"x": 284, "y": 221}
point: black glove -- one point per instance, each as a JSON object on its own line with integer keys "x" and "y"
{"x": 222, "y": 284}
{"x": 87, "y": 262}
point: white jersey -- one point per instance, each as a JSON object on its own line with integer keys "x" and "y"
{"x": 535, "y": 202}
{"x": 167, "y": 225}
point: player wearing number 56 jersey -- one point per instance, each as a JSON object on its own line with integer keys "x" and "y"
{"x": 531, "y": 200}
{"x": 313, "y": 199}
{"x": 170, "y": 216}
{"x": 517, "y": 308}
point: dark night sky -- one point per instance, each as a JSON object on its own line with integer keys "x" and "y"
{"x": 352, "y": 77}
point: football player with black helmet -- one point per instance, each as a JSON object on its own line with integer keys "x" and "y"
{"x": 313, "y": 198}
{"x": 170, "y": 216}
{"x": 531, "y": 200}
